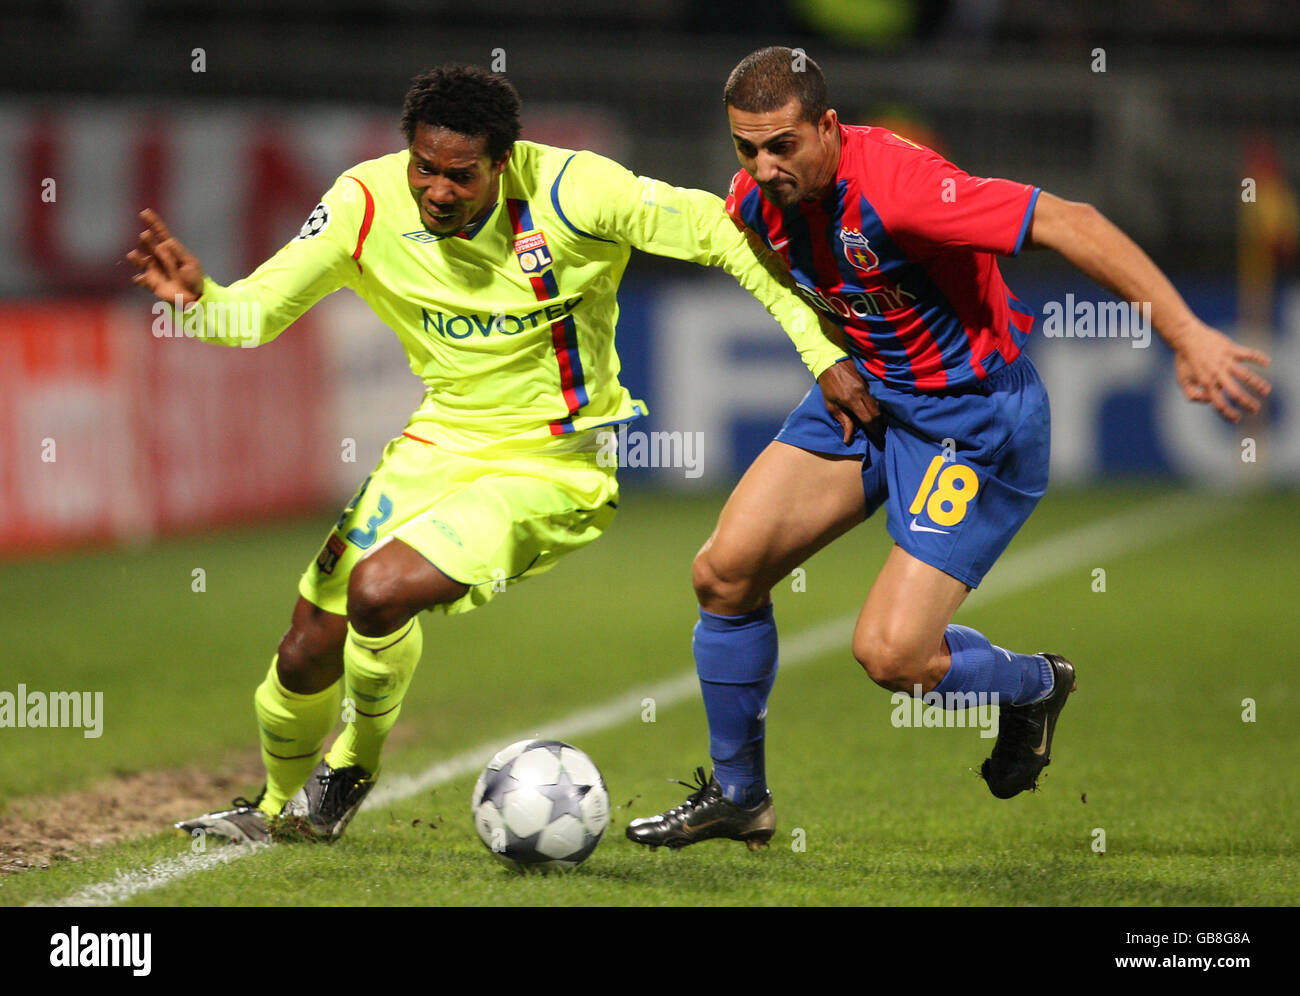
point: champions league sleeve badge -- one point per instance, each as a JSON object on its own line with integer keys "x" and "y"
{"x": 316, "y": 222}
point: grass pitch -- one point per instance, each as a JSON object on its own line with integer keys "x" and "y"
{"x": 1180, "y": 746}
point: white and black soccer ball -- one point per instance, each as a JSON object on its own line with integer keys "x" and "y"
{"x": 541, "y": 804}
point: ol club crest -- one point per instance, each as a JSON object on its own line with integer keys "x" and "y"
{"x": 533, "y": 253}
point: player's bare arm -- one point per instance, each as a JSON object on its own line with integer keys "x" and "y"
{"x": 167, "y": 268}
{"x": 1211, "y": 368}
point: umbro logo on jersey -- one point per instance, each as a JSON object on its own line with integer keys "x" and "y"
{"x": 857, "y": 250}
{"x": 420, "y": 236}
{"x": 533, "y": 253}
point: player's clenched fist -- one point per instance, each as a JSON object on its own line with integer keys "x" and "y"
{"x": 166, "y": 267}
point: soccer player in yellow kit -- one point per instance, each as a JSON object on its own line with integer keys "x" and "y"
{"x": 496, "y": 261}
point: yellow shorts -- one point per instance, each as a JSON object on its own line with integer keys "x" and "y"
{"x": 485, "y": 521}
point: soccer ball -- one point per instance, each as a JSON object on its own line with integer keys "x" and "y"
{"x": 540, "y": 804}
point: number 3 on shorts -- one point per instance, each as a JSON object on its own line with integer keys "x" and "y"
{"x": 949, "y": 492}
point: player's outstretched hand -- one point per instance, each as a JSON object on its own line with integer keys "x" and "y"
{"x": 166, "y": 267}
{"x": 850, "y": 403}
{"x": 1211, "y": 369}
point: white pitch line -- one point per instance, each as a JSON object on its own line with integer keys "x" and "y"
{"x": 1085, "y": 546}
{"x": 128, "y": 884}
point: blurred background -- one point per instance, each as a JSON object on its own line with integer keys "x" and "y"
{"x": 1179, "y": 120}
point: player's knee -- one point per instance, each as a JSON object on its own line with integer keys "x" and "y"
{"x": 722, "y": 587}
{"x": 887, "y": 661}
{"x": 309, "y": 658}
{"x": 375, "y": 606}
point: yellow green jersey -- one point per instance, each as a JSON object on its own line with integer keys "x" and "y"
{"x": 510, "y": 324}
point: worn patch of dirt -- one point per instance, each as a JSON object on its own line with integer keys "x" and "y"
{"x": 38, "y": 830}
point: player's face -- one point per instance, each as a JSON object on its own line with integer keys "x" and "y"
{"x": 790, "y": 158}
{"x": 452, "y": 178}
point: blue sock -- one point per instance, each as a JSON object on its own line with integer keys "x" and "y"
{"x": 735, "y": 657}
{"x": 978, "y": 666}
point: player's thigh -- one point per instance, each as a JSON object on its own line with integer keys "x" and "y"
{"x": 513, "y": 521}
{"x": 411, "y": 479}
{"x": 964, "y": 472}
{"x": 902, "y": 622}
{"x": 393, "y": 582}
{"x": 477, "y": 526}
{"x": 391, "y": 494}
{"x": 789, "y": 504}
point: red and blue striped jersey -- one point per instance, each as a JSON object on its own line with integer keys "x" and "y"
{"x": 901, "y": 254}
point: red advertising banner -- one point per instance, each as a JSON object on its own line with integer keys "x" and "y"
{"x": 108, "y": 432}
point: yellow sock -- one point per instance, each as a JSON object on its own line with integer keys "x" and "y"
{"x": 292, "y": 729}
{"x": 377, "y": 671}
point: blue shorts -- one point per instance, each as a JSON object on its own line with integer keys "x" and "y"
{"x": 959, "y": 472}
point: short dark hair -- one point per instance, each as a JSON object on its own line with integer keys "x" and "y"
{"x": 766, "y": 80}
{"x": 465, "y": 99}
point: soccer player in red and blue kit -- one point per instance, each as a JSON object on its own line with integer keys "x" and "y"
{"x": 935, "y": 414}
